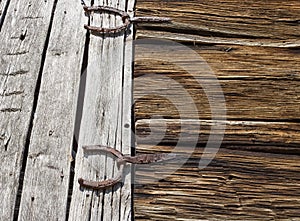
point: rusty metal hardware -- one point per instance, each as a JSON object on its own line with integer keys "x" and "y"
{"x": 122, "y": 160}
{"x": 125, "y": 18}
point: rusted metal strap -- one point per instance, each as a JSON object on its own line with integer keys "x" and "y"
{"x": 122, "y": 160}
{"x": 125, "y": 18}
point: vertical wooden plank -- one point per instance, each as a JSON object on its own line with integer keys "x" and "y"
{"x": 106, "y": 108}
{"x": 23, "y": 36}
{"x": 46, "y": 181}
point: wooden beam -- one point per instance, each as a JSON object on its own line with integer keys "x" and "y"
{"x": 24, "y": 33}
{"x": 106, "y": 120}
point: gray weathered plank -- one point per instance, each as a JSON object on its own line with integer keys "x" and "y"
{"x": 106, "y": 106}
{"x": 46, "y": 181}
{"x": 20, "y": 64}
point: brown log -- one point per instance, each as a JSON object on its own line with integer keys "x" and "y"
{"x": 282, "y": 136}
{"x": 265, "y": 21}
{"x": 258, "y": 83}
{"x": 237, "y": 185}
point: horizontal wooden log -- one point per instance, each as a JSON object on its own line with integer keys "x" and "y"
{"x": 228, "y": 62}
{"x": 244, "y": 100}
{"x": 258, "y": 83}
{"x": 237, "y": 185}
{"x": 270, "y": 20}
{"x": 283, "y": 136}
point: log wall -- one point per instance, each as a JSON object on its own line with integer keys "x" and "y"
{"x": 253, "y": 48}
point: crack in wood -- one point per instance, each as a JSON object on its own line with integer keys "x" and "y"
{"x": 18, "y": 53}
{"x": 7, "y": 94}
{"x": 15, "y": 73}
{"x": 23, "y": 35}
{"x": 10, "y": 109}
{"x": 31, "y": 17}
{"x": 6, "y": 142}
{"x": 212, "y": 40}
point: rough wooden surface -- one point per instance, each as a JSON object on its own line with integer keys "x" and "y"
{"x": 43, "y": 79}
{"x": 264, "y": 22}
{"x": 243, "y": 72}
{"x": 253, "y": 49}
{"x": 106, "y": 120}
{"x": 259, "y": 134}
{"x": 19, "y": 71}
{"x": 198, "y": 39}
{"x": 46, "y": 181}
{"x": 237, "y": 185}
{"x": 236, "y": 62}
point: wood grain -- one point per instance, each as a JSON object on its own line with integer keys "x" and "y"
{"x": 106, "y": 120}
{"x": 205, "y": 40}
{"x": 46, "y": 181}
{"x": 243, "y": 73}
{"x": 265, "y": 21}
{"x": 253, "y": 49}
{"x": 255, "y": 135}
{"x": 237, "y": 185}
{"x": 231, "y": 62}
{"x": 19, "y": 70}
